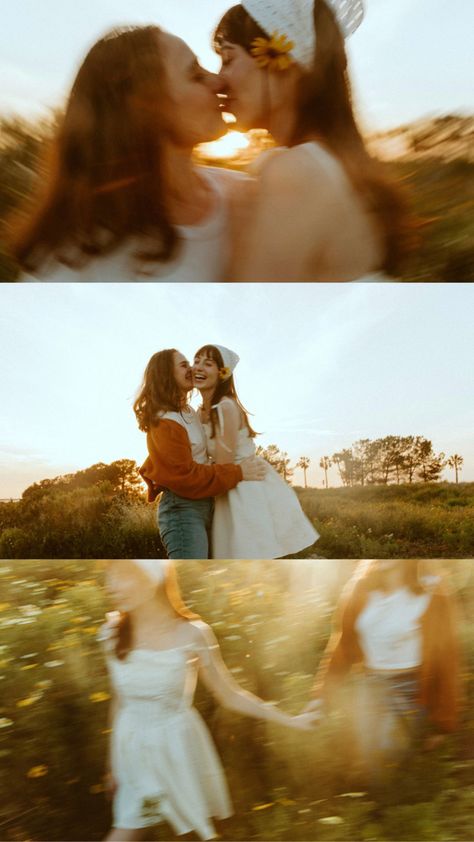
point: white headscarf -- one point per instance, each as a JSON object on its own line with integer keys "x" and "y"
{"x": 229, "y": 358}
{"x": 155, "y": 569}
{"x": 295, "y": 19}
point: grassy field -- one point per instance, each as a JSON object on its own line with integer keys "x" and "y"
{"x": 396, "y": 521}
{"x": 272, "y": 620}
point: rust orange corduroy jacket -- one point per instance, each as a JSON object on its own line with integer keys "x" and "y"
{"x": 440, "y": 669}
{"x": 170, "y": 466}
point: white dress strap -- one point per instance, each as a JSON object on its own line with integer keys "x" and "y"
{"x": 220, "y": 417}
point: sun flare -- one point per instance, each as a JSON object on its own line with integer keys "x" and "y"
{"x": 228, "y": 146}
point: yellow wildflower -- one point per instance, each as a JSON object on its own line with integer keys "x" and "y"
{"x": 37, "y": 772}
{"x": 25, "y": 703}
{"x": 99, "y": 697}
{"x": 273, "y": 52}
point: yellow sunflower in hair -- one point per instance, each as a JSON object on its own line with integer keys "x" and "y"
{"x": 224, "y": 372}
{"x": 273, "y": 52}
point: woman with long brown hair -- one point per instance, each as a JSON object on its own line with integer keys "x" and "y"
{"x": 252, "y": 520}
{"x": 163, "y": 765}
{"x": 399, "y": 628}
{"x": 324, "y": 208}
{"x": 120, "y": 197}
{"x": 177, "y": 468}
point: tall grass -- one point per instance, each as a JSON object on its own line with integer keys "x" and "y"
{"x": 272, "y": 620}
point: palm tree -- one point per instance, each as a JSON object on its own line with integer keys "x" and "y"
{"x": 304, "y": 462}
{"x": 325, "y": 463}
{"x": 456, "y": 461}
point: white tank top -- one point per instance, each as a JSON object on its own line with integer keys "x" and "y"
{"x": 389, "y": 629}
{"x": 202, "y": 254}
{"x": 189, "y": 419}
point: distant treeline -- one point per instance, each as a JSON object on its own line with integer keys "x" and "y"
{"x": 101, "y": 512}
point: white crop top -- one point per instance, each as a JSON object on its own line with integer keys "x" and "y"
{"x": 389, "y": 629}
{"x": 189, "y": 419}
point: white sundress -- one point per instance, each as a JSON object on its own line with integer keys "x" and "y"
{"x": 163, "y": 758}
{"x": 257, "y": 520}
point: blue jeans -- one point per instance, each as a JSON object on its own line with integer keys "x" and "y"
{"x": 185, "y": 525}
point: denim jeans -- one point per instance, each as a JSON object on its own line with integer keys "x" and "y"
{"x": 185, "y": 525}
{"x": 390, "y": 719}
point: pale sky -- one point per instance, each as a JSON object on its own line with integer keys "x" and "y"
{"x": 409, "y": 59}
{"x": 322, "y": 365}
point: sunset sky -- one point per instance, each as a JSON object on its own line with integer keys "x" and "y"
{"x": 322, "y": 365}
{"x": 409, "y": 59}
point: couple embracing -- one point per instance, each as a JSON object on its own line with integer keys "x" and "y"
{"x": 217, "y": 499}
{"x": 123, "y": 198}
{"x": 398, "y": 630}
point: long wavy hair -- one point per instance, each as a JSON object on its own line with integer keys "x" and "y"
{"x": 104, "y": 180}
{"x": 324, "y": 108}
{"x": 371, "y": 578}
{"x": 224, "y": 389}
{"x": 159, "y": 391}
{"x": 173, "y": 594}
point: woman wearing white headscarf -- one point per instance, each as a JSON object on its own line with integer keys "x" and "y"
{"x": 255, "y": 519}
{"x": 324, "y": 209}
{"x": 163, "y": 764}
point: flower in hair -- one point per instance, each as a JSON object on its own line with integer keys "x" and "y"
{"x": 273, "y": 52}
{"x": 224, "y": 372}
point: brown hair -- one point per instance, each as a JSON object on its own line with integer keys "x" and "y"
{"x": 324, "y": 108}
{"x": 159, "y": 391}
{"x": 175, "y": 599}
{"x": 224, "y": 389}
{"x": 372, "y": 578}
{"x": 104, "y": 176}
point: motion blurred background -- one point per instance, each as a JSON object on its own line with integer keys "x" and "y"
{"x": 411, "y": 67}
{"x": 272, "y": 619}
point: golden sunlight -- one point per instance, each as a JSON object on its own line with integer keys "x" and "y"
{"x": 228, "y": 146}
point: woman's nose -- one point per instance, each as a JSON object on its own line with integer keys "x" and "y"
{"x": 216, "y": 83}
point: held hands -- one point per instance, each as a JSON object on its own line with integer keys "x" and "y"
{"x": 253, "y": 469}
{"x": 305, "y": 721}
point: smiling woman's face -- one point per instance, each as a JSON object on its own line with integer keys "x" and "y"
{"x": 194, "y": 114}
{"x": 127, "y": 586}
{"x": 205, "y": 372}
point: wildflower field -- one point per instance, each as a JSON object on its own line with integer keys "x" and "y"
{"x": 272, "y": 620}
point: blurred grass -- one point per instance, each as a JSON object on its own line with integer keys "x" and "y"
{"x": 438, "y": 173}
{"x": 272, "y": 620}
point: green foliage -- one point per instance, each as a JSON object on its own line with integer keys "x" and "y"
{"x": 397, "y": 521}
{"x": 102, "y": 513}
{"x": 272, "y": 621}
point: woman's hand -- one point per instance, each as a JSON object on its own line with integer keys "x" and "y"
{"x": 315, "y": 706}
{"x": 253, "y": 469}
{"x": 305, "y": 721}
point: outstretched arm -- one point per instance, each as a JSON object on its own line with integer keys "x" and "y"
{"x": 230, "y": 694}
